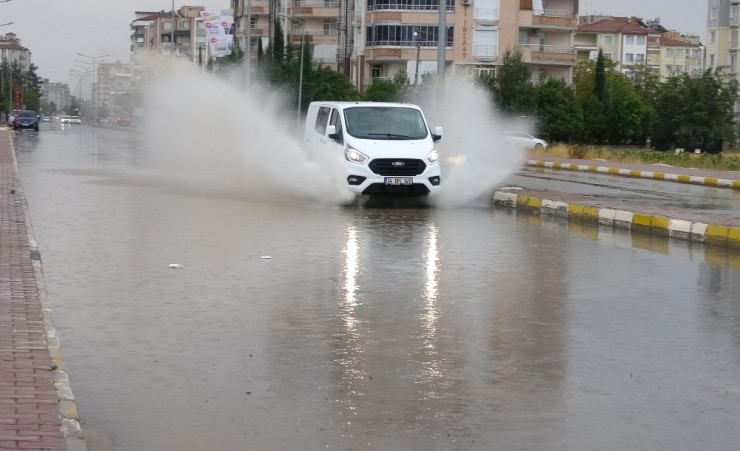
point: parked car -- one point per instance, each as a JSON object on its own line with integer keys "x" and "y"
{"x": 11, "y": 117}
{"x": 27, "y": 119}
{"x": 64, "y": 119}
{"x": 123, "y": 121}
{"x": 524, "y": 139}
{"x": 75, "y": 120}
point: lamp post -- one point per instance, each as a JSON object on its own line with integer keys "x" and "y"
{"x": 300, "y": 72}
{"x": 93, "y": 61}
{"x": 172, "y": 30}
{"x": 248, "y": 38}
{"x": 418, "y": 49}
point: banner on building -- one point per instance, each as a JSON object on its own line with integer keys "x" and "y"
{"x": 219, "y": 25}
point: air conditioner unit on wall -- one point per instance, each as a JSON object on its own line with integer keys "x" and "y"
{"x": 466, "y": 2}
{"x": 534, "y": 31}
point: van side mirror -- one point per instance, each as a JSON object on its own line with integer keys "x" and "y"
{"x": 331, "y": 132}
{"x": 437, "y": 135}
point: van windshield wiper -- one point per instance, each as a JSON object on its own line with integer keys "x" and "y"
{"x": 390, "y": 136}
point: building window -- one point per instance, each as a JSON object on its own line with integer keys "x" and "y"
{"x": 330, "y": 27}
{"x": 608, "y": 39}
{"x": 713, "y": 37}
{"x": 640, "y": 40}
{"x": 678, "y": 53}
{"x": 669, "y": 68}
{"x": 711, "y": 60}
{"x": 669, "y": 52}
{"x": 639, "y": 58}
{"x": 422, "y": 5}
{"x": 733, "y": 63}
{"x": 376, "y": 71}
{"x": 608, "y": 55}
{"x": 713, "y": 13}
{"x": 629, "y": 40}
{"x": 485, "y": 43}
{"x": 403, "y": 35}
{"x": 629, "y": 58}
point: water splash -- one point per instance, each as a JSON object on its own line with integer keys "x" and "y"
{"x": 211, "y": 133}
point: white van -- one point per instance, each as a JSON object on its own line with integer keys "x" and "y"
{"x": 388, "y": 147}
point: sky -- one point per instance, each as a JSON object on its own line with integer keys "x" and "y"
{"x": 56, "y": 31}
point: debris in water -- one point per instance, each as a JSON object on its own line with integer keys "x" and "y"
{"x": 265, "y": 257}
{"x": 176, "y": 266}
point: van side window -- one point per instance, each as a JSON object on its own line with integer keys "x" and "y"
{"x": 336, "y": 121}
{"x": 321, "y": 119}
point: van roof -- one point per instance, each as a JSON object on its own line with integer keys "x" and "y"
{"x": 364, "y": 103}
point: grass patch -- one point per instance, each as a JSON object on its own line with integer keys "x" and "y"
{"x": 726, "y": 161}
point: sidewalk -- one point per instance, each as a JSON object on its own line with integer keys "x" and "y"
{"x": 706, "y": 227}
{"x": 37, "y": 410}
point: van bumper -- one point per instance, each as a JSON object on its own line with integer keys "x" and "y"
{"x": 361, "y": 180}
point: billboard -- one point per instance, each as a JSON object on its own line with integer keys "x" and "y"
{"x": 219, "y": 25}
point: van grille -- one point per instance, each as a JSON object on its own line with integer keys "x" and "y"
{"x": 397, "y": 166}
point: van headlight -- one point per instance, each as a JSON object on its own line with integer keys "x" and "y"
{"x": 433, "y": 157}
{"x": 354, "y": 155}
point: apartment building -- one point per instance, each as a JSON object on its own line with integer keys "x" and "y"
{"x": 11, "y": 51}
{"x": 114, "y": 88}
{"x": 723, "y": 24}
{"x": 627, "y": 41}
{"x": 393, "y": 35}
{"x": 680, "y": 56}
{"x": 178, "y": 33}
{"x": 55, "y": 94}
{"x": 366, "y": 39}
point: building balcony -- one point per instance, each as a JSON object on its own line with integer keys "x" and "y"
{"x": 299, "y": 12}
{"x": 257, "y": 30}
{"x": 401, "y": 54}
{"x": 406, "y": 17}
{"x": 318, "y": 38}
{"x": 548, "y": 54}
{"x": 734, "y": 22}
{"x": 558, "y": 19}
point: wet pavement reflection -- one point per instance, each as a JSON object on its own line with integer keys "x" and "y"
{"x": 369, "y": 328}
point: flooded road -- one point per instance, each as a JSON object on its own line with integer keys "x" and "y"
{"x": 298, "y": 326}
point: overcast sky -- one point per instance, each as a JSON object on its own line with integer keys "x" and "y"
{"x": 55, "y": 31}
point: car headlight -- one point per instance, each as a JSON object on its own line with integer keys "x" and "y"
{"x": 354, "y": 155}
{"x": 433, "y": 157}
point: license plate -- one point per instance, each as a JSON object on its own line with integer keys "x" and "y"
{"x": 399, "y": 180}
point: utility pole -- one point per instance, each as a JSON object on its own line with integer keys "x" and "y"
{"x": 248, "y": 38}
{"x": 441, "y": 47}
{"x": 172, "y": 30}
{"x": 418, "y": 49}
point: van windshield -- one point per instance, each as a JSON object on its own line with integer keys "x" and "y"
{"x": 383, "y": 122}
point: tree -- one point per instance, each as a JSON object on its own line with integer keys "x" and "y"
{"x": 600, "y": 77}
{"x": 695, "y": 112}
{"x": 559, "y": 115}
{"x": 513, "y": 91}
{"x": 278, "y": 43}
{"x": 388, "y": 90}
{"x": 327, "y": 84}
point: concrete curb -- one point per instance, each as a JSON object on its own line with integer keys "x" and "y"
{"x": 694, "y": 180}
{"x": 68, "y": 412}
{"x": 713, "y": 234}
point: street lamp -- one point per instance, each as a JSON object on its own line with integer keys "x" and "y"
{"x": 93, "y": 61}
{"x": 301, "y": 22}
{"x": 418, "y": 49}
{"x": 9, "y": 23}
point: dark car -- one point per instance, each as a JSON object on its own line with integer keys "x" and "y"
{"x": 26, "y": 119}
